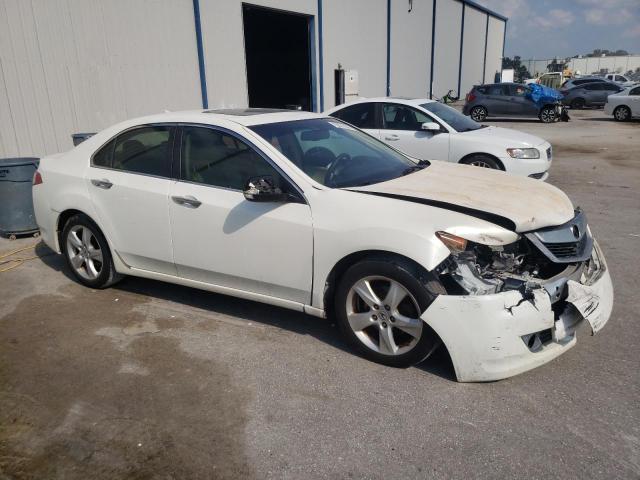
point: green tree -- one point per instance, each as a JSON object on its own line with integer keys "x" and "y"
{"x": 520, "y": 72}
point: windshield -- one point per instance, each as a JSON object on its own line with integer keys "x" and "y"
{"x": 453, "y": 117}
{"x": 334, "y": 153}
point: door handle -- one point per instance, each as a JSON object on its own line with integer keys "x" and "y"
{"x": 104, "y": 183}
{"x": 392, "y": 137}
{"x": 188, "y": 201}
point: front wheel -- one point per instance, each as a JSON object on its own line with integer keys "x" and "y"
{"x": 622, "y": 113}
{"x": 479, "y": 114}
{"x": 548, "y": 115}
{"x": 87, "y": 253}
{"x": 484, "y": 161}
{"x": 378, "y": 304}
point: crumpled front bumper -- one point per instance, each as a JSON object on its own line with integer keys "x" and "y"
{"x": 486, "y": 335}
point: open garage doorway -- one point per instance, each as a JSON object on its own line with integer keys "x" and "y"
{"x": 278, "y": 54}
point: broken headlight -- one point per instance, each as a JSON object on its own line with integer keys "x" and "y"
{"x": 479, "y": 269}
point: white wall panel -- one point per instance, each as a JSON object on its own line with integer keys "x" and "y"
{"x": 82, "y": 65}
{"x": 447, "y": 46}
{"x": 475, "y": 25}
{"x": 411, "y": 48}
{"x": 355, "y": 35}
{"x": 495, "y": 40}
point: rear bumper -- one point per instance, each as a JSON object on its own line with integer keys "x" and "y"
{"x": 488, "y": 336}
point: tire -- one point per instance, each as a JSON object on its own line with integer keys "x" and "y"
{"x": 548, "y": 115}
{"x": 481, "y": 160}
{"x": 479, "y": 114}
{"x": 578, "y": 103}
{"x": 622, "y": 113}
{"x": 366, "y": 327}
{"x": 87, "y": 253}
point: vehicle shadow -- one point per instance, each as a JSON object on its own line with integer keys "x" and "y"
{"x": 513, "y": 120}
{"x": 322, "y": 329}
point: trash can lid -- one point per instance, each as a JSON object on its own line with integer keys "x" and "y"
{"x": 17, "y": 161}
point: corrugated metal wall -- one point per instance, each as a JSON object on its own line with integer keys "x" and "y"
{"x": 447, "y": 46}
{"x": 475, "y": 26}
{"x": 80, "y": 65}
{"x": 355, "y": 35}
{"x": 411, "y": 48}
{"x": 495, "y": 37}
{"x": 69, "y": 66}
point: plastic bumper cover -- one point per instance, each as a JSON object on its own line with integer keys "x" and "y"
{"x": 484, "y": 333}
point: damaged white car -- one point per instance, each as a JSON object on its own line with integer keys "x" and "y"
{"x": 309, "y": 213}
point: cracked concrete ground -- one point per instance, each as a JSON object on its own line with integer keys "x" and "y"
{"x": 150, "y": 380}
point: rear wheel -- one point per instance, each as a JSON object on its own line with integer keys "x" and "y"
{"x": 479, "y": 114}
{"x": 378, "y": 304}
{"x": 548, "y": 115}
{"x": 480, "y": 160}
{"x": 622, "y": 113}
{"x": 87, "y": 253}
{"x": 578, "y": 103}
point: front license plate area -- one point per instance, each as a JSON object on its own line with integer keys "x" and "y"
{"x": 588, "y": 303}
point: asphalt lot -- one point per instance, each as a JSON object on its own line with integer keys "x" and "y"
{"x": 149, "y": 380}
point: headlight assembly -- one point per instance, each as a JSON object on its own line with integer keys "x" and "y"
{"x": 523, "y": 152}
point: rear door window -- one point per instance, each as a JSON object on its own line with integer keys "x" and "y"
{"x": 145, "y": 150}
{"x": 498, "y": 90}
{"x": 592, "y": 86}
{"x": 362, "y": 115}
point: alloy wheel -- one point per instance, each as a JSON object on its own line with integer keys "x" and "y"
{"x": 478, "y": 114}
{"x": 480, "y": 163}
{"x": 384, "y": 316}
{"x": 621, "y": 114}
{"x": 548, "y": 115}
{"x": 84, "y": 252}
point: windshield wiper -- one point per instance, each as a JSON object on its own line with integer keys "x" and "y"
{"x": 422, "y": 164}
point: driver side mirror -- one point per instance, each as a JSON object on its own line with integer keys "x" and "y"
{"x": 263, "y": 189}
{"x": 430, "y": 127}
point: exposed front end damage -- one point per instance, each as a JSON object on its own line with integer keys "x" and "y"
{"x": 511, "y": 308}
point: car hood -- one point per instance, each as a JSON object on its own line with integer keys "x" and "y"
{"x": 518, "y": 203}
{"x": 510, "y": 138}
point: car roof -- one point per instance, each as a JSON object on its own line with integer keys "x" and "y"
{"x": 415, "y": 102}
{"x": 241, "y": 116}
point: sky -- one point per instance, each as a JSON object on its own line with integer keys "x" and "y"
{"x": 564, "y": 28}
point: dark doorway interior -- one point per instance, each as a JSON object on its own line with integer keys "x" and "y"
{"x": 278, "y": 58}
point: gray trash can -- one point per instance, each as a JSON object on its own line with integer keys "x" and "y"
{"x": 16, "y": 203}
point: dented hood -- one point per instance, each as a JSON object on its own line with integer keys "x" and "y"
{"x": 518, "y": 203}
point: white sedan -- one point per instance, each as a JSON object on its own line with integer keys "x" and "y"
{"x": 430, "y": 130}
{"x": 309, "y": 213}
{"x": 624, "y": 105}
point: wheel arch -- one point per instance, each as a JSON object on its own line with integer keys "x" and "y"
{"x": 497, "y": 160}
{"x": 351, "y": 259}
{"x": 65, "y": 215}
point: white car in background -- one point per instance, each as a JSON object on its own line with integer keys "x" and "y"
{"x": 430, "y": 130}
{"x": 624, "y": 105}
{"x": 620, "y": 79}
{"x": 309, "y": 213}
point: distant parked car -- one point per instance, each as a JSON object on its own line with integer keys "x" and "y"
{"x": 430, "y": 130}
{"x": 592, "y": 94}
{"x": 507, "y": 100}
{"x": 624, "y": 105}
{"x": 574, "y": 82}
{"x": 619, "y": 79}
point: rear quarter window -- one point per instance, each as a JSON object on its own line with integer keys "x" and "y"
{"x": 104, "y": 156}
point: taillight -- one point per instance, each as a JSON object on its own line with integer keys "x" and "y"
{"x": 37, "y": 178}
{"x": 470, "y": 97}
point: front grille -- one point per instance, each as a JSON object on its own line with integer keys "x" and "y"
{"x": 563, "y": 250}
{"x": 566, "y": 243}
{"x": 549, "y": 153}
{"x": 537, "y": 176}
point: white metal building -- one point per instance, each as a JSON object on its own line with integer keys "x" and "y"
{"x": 71, "y": 66}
